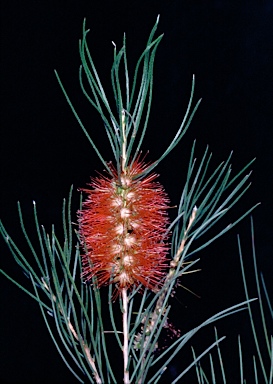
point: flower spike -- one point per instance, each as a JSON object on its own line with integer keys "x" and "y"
{"x": 122, "y": 226}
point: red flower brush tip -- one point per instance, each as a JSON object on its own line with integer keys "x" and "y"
{"x": 122, "y": 226}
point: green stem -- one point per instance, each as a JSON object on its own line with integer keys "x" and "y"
{"x": 126, "y": 379}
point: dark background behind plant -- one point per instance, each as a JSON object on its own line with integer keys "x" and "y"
{"x": 228, "y": 46}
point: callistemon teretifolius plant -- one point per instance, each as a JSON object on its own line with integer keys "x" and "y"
{"x": 124, "y": 238}
{"x": 123, "y": 226}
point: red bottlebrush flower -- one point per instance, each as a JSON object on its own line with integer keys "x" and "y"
{"x": 122, "y": 226}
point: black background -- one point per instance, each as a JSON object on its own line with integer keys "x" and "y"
{"x": 228, "y": 46}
